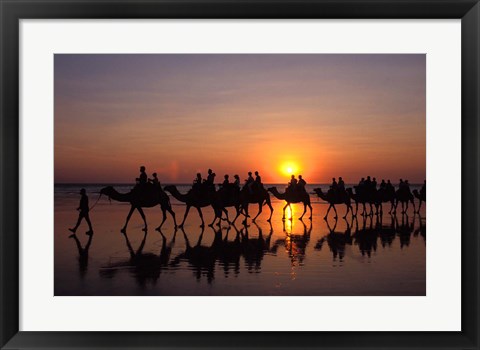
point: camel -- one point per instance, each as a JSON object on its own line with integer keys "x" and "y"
{"x": 223, "y": 199}
{"x": 384, "y": 196}
{"x": 404, "y": 197}
{"x": 363, "y": 198}
{"x": 192, "y": 199}
{"x": 335, "y": 199}
{"x": 421, "y": 197}
{"x": 139, "y": 198}
{"x": 293, "y": 197}
{"x": 259, "y": 196}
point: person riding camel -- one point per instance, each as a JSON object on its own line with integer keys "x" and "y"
{"x": 293, "y": 182}
{"x": 383, "y": 185}
{"x": 334, "y": 185}
{"x": 258, "y": 181}
{"x": 155, "y": 180}
{"x": 407, "y": 186}
{"x": 197, "y": 182}
{"x": 249, "y": 181}
{"x": 226, "y": 182}
{"x": 341, "y": 185}
{"x": 389, "y": 187}
{"x": 301, "y": 184}
{"x": 292, "y": 185}
{"x": 374, "y": 184}
{"x": 368, "y": 183}
{"x": 423, "y": 190}
{"x": 236, "y": 183}
{"x": 361, "y": 182}
{"x": 209, "y": 183}
{"x": 401, "y": 185}
{"x": 143, "y": 178}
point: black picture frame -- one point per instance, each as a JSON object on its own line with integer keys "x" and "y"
{"x": 13, "y": 10}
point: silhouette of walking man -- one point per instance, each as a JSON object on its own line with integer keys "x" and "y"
{"x": 83, "y": 208}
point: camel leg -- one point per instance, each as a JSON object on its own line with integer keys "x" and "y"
{"x": 143, "y": 217}
{"x": 304, "y": 211}
{"x": 238, "y": 214}
{"x": 311, "y": 211}
{"x": 201, "y": 216}
{"x": 291, "y": 211}
{"x": 226, "y": 215}
{"x": 419, "y": 207}
{"x": 184, "y": 216}
{"x": 260, "y": 205}
{"x": 164, "y": 212}
{"x": 285, "y": 207}
{"x": 124, "y": 229}
{"x": 356, "y": 208}
{"x": 348, "y": 210}
{"x": 364, "y": 212}
{"x": 271, "y": 210}
{"x": 335, "y": 210}
{"x": 328, "y": 211}
{"x": 246, "y": 214}
{"x": 214, "y": 219}
{"x": 169, "y": 209}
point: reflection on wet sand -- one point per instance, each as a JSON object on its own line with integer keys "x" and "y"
{"x": 82, "y": 253}
{"x": 231, "y": 245}
{"x": 262, "y": 258}
{"x": 295, "y": 244}
{"x": 202, "y": 259}
{"x": 144, "y": 266}
{"x": 369, "y": 232}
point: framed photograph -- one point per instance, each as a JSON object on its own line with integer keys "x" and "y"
{"x": 239, "y": 174}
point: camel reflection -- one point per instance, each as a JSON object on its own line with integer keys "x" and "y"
{"x": 337, "y": 241}
{"x": 201, "y": 259}
{"x": 227, "y": 254}
{"x": 145, "y": 267}
{"x": 386, "y": 232}
{"x": 82, "y": 253}
{"x": 369, "y": 233}
{"x": 254, "y": 249}
{"x": 404, "y": 230}
{"x": 295, "y": 244}
{"x": 421, "y": 230}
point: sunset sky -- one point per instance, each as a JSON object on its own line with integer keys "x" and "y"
{"x": 318, "y": 115}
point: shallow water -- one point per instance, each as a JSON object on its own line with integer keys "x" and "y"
{"x": 384, "y": 256}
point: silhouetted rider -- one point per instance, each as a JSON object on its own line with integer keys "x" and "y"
{"x": 301, "y": 183}
{"x": 143, "y": 178}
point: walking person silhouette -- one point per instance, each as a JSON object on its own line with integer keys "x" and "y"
{"x": 84, "y": 209}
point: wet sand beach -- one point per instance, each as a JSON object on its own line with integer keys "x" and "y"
{"x": 292, "y": 257}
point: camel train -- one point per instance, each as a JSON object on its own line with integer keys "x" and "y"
{"x": 148, "y": 195}
{"x": 374, "y": 198}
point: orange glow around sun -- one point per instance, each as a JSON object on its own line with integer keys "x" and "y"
{"x": 289, "y": 168}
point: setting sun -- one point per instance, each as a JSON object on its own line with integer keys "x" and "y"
{"x": 289, "y": 168}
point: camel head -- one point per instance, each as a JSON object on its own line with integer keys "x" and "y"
{"x": 415, "y": 193}
{"x": 318, "y": 190}
{"x": 272, "y": 189}
{"x": 169, "y": 188}
{"x": 107, "y": 191}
